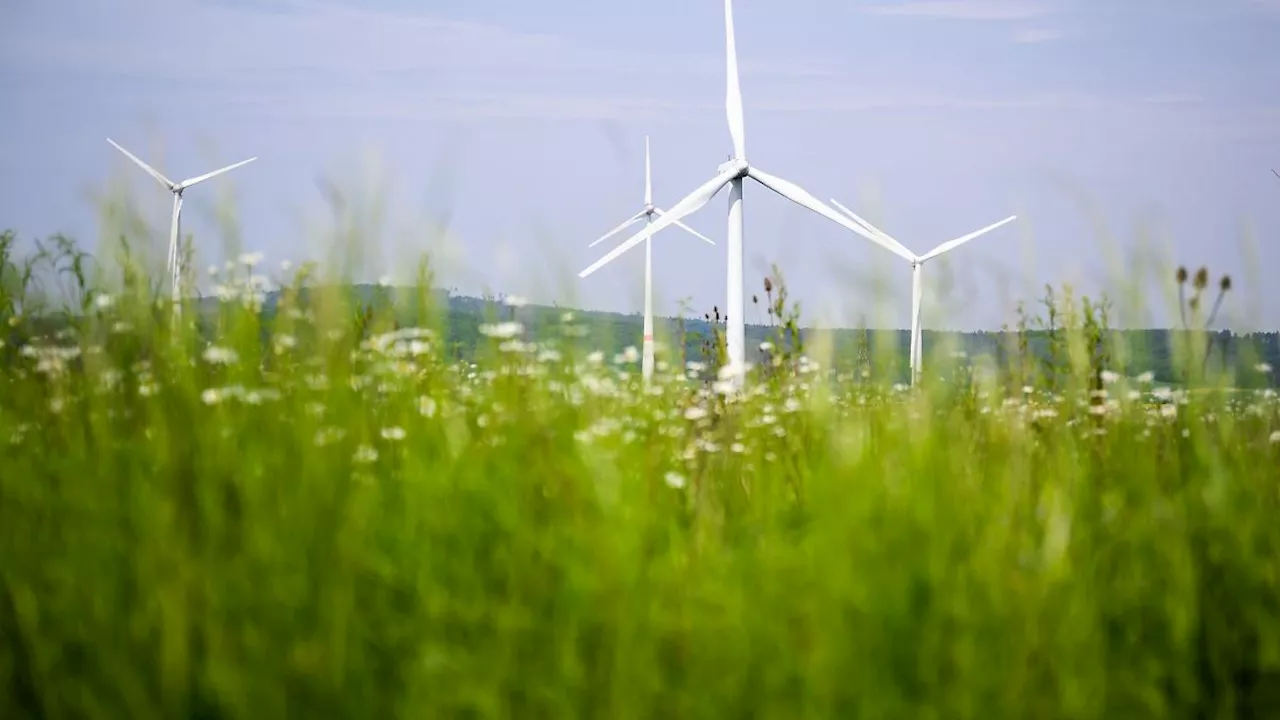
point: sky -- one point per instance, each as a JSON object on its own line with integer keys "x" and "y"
{"x": 501, "y": 138}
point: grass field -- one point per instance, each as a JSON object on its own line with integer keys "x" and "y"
{"x": 322, "y": 517}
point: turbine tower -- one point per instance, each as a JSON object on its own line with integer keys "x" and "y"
{"x": 648, "y": 213}
{"x": 732, "y": 173}
{"x": 917, "y": 264}
{"x": 172, "y": 265}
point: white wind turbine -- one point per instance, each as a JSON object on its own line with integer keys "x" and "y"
{"x": 177, "y": 188}
{"x": 732, "y": 174}
{"x": 917, "y": 263}
{"x": 648, "y": 213}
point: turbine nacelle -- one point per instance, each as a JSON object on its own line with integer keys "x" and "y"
{"x": 737, "y": 164}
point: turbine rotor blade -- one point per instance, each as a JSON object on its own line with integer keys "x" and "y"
{"x": 160, "y": 178}
{"x": 869, "y": 226}
{"x": 803, "y": 198}
{"x": 623, "y": 226}
{"x": 648, "y": 174}
{"x": 686, "y": 228}
{"x": 201, "y": 178}
{"x": 691, "y": 203}
{"x": 950, "y": 245}
{"x": 733, "y": 88}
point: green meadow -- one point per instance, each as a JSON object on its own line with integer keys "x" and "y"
{"x": 312, "y": 500}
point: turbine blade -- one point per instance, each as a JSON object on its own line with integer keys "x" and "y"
{"x": 733, "y": 89}
{"x": 686, "y": 228}
{"x": 691, "y": 203}
{"x": 623, "y": 226}
{"x": 648, "y": 174}
{"x": 803, "y": 198}
{"x": 201, "y": 178}
{"x": 869, "y": 226}
{"x": 166, "y": 182}
{"x": 950, "y": 245}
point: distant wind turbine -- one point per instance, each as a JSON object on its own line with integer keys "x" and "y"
{"x": 917, "y": 264}
{"x": 177, "y": 188}
{"x": 732, "y": 174}
{"x": 648, "y": 214}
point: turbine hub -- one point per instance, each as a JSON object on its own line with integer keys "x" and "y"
{"x": 732, "y": 163}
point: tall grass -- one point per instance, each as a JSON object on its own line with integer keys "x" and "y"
{"x": 317, "y": 514}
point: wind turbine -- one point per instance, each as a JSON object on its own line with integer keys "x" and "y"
{"x": 732, "y": 173}
{"x": 177, "y": 188}
{"x": 917, "y": 264}
{"x": 648, "y": 213}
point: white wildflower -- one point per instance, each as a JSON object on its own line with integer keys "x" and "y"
{"x": 1147, "y": 378}
{"x": 1263, "y": 367}
{"x": 426, "y": 406}
{"x": 502, "y": 330}
{"x": 723, "y": 387}
{"x": 1109, "y": 377}
{"x": 250, "y": 260}
{"x": 211, "y": 396}
{"x": 1275, "y": 437}
{"x": 695, "y": 413}
{"x": 674, "y": 480}
{"x": 393, "y": 433}
{"x": 215, "y": 355}
{"x": 365, "y": 455}
{"x": 595, "y": 358}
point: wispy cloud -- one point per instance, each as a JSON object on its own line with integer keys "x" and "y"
{"x": 330, "y": 36}
{"x": 1032, "y": 36}
{"x": 964, "y": 9}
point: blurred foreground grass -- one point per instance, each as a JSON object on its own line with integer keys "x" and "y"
{"x": 319, "y": 515}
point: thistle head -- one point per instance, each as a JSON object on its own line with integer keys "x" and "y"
{"x": 1225, "y": 283}
{"x": 768, "y": 285}
{"x": 1202, "y": 278}
{"x": 1181, "y": 275}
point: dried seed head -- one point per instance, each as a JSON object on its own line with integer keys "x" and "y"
{"x": 1182, "y": 274}
{"x": 768, "y": 285}
{"x": 1202, "y": 278}
{"x": 1225, "y": 283}
{"x": 755, "y": 300}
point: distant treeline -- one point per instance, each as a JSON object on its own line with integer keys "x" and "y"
{"x": 1149, "y": 350}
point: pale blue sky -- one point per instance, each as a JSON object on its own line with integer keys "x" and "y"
{"x": 1114, "y": 129}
